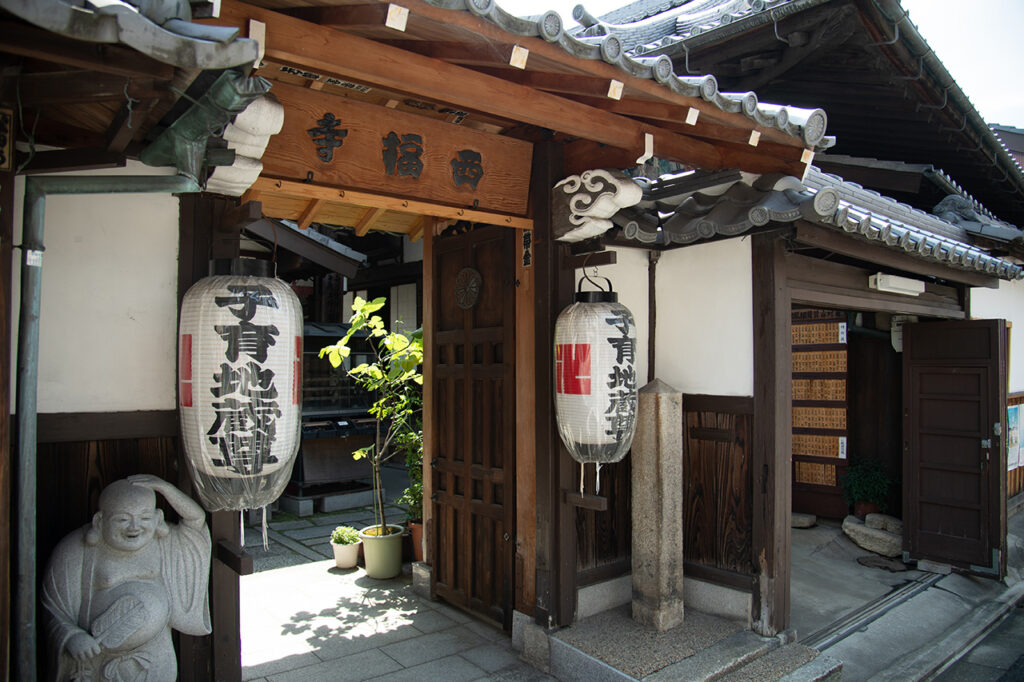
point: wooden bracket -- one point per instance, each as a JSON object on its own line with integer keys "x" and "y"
{"x": 234, "y": 557}
{"x": 585, "y": 501}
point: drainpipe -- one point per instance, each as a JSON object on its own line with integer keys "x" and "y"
{"x": 37, "y": 188}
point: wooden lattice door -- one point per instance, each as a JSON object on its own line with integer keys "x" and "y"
{"x": 474, "y": 422}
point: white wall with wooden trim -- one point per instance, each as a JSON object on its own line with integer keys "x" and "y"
{"x": 107, "y": 329}
{"x": 704, "y": 328}
{"x": 1006, "y": 302}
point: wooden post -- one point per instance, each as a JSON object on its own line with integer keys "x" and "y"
{"x": 429, "y": 435}
{"x": 527, "y": 380}
{"x": 6, "y": 236}
{"x": 773, "y": 434}
{"x": 556, "y": 542}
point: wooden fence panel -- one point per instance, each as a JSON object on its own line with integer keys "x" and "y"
{"x": 603, "y": 537}
{"x": 717, "y": 502}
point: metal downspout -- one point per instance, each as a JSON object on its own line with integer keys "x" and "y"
{"x": 24, "y": 661}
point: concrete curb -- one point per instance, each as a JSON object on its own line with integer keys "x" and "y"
{"x": 955, "y": 642}
{"x": 723, "y": 657}
{"x": 822, "y": 669}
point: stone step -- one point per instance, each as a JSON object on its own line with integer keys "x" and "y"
{"x": 718, "y": 660}
{"x": 792, "y": 663}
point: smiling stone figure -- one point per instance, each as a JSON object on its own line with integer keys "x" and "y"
{"x": 114, "y": 588}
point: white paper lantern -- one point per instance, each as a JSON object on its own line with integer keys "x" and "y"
{"x": 239, "y": 384}
{"x": 595, "y": 379}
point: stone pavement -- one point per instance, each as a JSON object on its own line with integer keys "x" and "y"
{"x": 314, "y": 622}
{"x": 998, "y": 657}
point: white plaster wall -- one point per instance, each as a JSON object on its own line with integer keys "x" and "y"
{"x": 411, "y": 250}
{"x": 107, "y": 326}
{"x": 705, "y": 335}
{"x": 403, "y": 308}
{"x": 629, "y": 280}
{"x": 1007, "y": 303}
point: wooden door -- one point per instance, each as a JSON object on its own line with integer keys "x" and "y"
{"x": 954, "y": 388}
{"x": 474, "y": 422}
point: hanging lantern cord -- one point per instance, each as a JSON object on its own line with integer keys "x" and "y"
{"x": 241, "y": 527}
{"x": 265, "y": 545}
{"x": 598, "y": 476}
{"x": 581, "y": 478}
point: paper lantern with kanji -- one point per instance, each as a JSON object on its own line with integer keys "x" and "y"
{"x": 595, "y": 379}
{"x": 239, "y": 384}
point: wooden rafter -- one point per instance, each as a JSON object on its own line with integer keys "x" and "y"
{"x": 309, "y": 214}
{"x": 367, "y": 221}
{"x": 326, "y": 50}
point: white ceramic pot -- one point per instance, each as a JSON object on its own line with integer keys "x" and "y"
{"x": 345, "y": 555}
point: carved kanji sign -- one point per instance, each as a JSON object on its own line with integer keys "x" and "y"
{"x": 351, "y": 144}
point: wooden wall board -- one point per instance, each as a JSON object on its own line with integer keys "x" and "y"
{"x": 358, "y": 161}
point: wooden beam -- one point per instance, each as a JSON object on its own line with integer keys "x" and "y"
{"x": 368, "y": 219}
{"x": 303, "y": 246}
{"x": 560, "y": 83}
{"x": 61, "y": 87}
{"x": 356, "y": 198}
{"x": 28, "y": 41}
{"x": 309, "y": 213}
{"x": 854, "y": 247}
{"x": 325, "y": 50}
{"x": 645, "y": 87}
{"x": 62, "y": 160}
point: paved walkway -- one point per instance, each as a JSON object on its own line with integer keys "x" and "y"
{"x": 314, "y": 622}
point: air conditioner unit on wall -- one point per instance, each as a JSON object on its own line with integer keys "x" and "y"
{"x": 896, "y": 285}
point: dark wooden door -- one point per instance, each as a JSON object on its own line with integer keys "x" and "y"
{"x": 954, "y": 388}
{"x": 474, "y": 422}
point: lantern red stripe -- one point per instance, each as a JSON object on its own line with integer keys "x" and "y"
{"x": 573, "y": 368}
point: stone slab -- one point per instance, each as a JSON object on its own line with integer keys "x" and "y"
{"x": 716, "y": 661}
{"x": 873, "y": 539}
{"x": 884, "y": 522}
{"x": 798, "y": 520}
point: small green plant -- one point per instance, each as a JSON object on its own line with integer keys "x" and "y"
{"x": 411, "y": 441}
{"x": 345, "y": 535}
{"x": 393, "y": 378}
{"x": 866, "y": 481}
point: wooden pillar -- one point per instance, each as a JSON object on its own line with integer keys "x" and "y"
{"x": 556, "y": 538}
{"x": 6, "y": 237}
{"x": 773, "y": 434}
{"x": 527, "y": 380}
{"x": 203, "y": 236}
{"x": 429, "y": 436}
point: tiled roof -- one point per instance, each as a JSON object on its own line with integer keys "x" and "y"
{"x": 807, "y": 124}
{"x": 736, "y": 206}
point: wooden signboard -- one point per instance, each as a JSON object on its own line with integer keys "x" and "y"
{"x": 350, "y": 144}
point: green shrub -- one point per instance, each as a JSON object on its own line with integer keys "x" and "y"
{"x": 866, "y": 481}
{"x": 345, "y": 535}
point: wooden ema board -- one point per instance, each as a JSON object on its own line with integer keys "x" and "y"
{"x": 819, "y": 410}
{"x": 362, "y": 146}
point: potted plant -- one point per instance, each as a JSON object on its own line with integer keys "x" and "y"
{"x": 394, "y": 380}
{"x": 345, "y": 543}
{"x": 866, "y": 487}
{"x": 412, "y": 497}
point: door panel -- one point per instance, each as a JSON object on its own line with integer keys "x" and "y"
{"x": 474, "y": 423}
{"x": 954, "y": 377}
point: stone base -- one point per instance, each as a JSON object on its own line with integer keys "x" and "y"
{"x": 421, "y": 575}
{"x": 716, "y": 600}
{"x": 339, "y": 501}
{"x": 666, "y": 616}
{"x": 299, "y": 506}
{"x": 536, "y": 646}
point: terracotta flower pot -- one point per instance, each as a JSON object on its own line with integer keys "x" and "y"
{"x": 382, "y": 553}
{"x": 416, "y": 530}
{"x": 345, "y": 556}
{"x": 862, "y": 509}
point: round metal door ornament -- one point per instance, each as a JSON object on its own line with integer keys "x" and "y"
{"x": 467, "y": 288}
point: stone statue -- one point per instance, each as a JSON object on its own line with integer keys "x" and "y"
{"x": 114, "y": 588}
